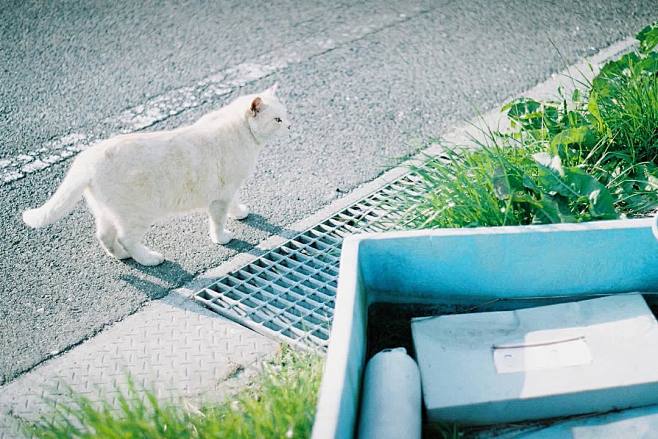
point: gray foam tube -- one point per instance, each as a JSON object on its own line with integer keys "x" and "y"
{"x": 390, "y": 402}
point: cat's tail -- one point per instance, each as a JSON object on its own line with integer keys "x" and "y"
{"x": 63, "y": 200}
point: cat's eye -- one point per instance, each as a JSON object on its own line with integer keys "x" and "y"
{"x": 278, "y": 119}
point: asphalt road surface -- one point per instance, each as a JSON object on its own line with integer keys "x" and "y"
{"x": 366, "y": 84}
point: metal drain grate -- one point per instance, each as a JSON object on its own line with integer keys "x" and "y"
{"x": 289, "y": 292}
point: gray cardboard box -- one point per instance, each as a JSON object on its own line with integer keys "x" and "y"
{"x": 507, "y": 366}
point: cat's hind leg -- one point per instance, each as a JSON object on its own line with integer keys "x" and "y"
{"x": 217, "y": 215}
{"x": 129, "y": 236}
{"x": 238, "y": 210}
{"x": 107, "y": 236}
{"x": 106, "y": 232}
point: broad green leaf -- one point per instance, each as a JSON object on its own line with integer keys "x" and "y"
{"x": 551, "y": 115}
{"x": 547, "y": 212}
{"x": 593, "y": 108}
{"x": 600, "y": 200}
{"x": 521, "y": 107}
{"x": 565, "y": 212}
{"x": 551, "y": 182}
{"x": 550, "y": 175}
{"x": 620, "y": 67}
{"x": 501, "y": 184}
{"x": 648, "y": 38}
{"x": 582, "y": 135}
{"x": 506, "y": 183}
{"x": 614, "y": 74}
{"x": 554, "y": 163}
{"x": 552, "y": 210}
{"x": 537, "y": 134}
{"x": 520, "y": 197}
{"x": 529, "y": 184}
{"x": 574, "y": 119}
{"x": 525, "y": 112}
{"x": 647, "y": 65}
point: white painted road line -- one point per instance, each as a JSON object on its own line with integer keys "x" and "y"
{"x": 174, "y": 102}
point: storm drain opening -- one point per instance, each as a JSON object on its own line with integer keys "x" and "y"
{"x": 289, "y": 292}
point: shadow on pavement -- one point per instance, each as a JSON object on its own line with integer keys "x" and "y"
{"x": 258, "y": 221}
{"x": 159, "y": 280}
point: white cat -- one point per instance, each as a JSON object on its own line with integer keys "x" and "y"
{"x": 130, "y": 181}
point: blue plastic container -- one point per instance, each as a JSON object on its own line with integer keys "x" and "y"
{"x": 469, "y": 266}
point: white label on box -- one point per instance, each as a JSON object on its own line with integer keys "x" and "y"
{"x": 541, "y": 356}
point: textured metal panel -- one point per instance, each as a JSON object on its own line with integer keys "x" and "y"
{"x": 173, "y": 346}
{"x": 289, "y": 292}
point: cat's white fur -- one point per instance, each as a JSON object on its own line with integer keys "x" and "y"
{"x": 131, "y": 181}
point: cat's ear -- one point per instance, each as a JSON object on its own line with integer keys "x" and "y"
{"x": 272, "y": 90}
{"x": 256, "y": 106}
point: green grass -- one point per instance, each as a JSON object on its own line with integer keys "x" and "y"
{"x": 623, "y": 100}
{"x": 630, "y": 116}
{"x": 590, "y": 156}
{"x": 281, "y": 403}
{"x": 463, "y": 189}
{"x": 506, "y": 182}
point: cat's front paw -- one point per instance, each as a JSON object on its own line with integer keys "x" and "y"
{"x": 239, "y": 211}
{"x": 224, "y": 237}
{"x": 118, "y": 251}
{"x": 149, "y": 258}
